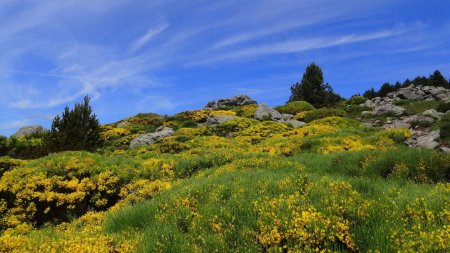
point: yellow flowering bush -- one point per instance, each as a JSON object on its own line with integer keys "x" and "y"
{"x": 246, "y": 111}
{"x": 262, "y": 130}
{"x": 221, "y": 112}
{"x": 82, "y": 235}
{"x": 290, "y": 223}
{"x": 140, "y": 190}
{"x": 299, "y": 116}
{"x": 348, "y": 143}
{"x": 143, "y": 119}
{"x": 112, "y": 133}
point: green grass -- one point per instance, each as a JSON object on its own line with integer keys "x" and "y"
{"x": 417, "y": 107}
{"x": 229, "y": 196}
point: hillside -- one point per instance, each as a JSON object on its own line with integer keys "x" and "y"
{"x": 238, "y": 176}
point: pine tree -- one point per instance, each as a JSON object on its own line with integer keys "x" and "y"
{"x": 76, "y": 129}
{"x": 313, "y": 89}
{"x": 436, "y": 79}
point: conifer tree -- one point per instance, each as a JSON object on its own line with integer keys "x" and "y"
{"x": 76, "y": 129}
{"x": 313, "y": 89}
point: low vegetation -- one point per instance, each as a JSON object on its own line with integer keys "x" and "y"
{"x": 331, "y": 185}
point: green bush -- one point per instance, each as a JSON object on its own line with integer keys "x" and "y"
{"x": 295, "y": 107}
{"x": 7, "y": 163}
{"x": 443, "y": 107}
{"x": 28, "y": 147}
{"x": 323, "y": 113}
{"x": 445, "y": 126}
{"x": 3, "y": 145}
{"x": 421, "y": 166}
{"x": 356, "y": 100}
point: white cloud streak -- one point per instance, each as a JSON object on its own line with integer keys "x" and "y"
{"x": 152, "y": 32}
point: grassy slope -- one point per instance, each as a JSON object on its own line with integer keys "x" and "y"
{"x": 330, "y": 185}
{"x": 227, "y": 196}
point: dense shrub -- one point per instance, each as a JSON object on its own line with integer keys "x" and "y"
{"x": 323, "y": 113}
{"x": 3, "y": 145}
{"x": 246, "y": 111}
{"x": 422, "y": 166}
{"x": 355, "y": 100}
{"x": 7, "y": 163}
{"x": 443, "y": 107}
{"x": 445, "y": 126}
{"x": 295, "y": 107}
{"x": 30, "y": 146}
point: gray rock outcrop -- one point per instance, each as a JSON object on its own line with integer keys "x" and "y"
{"x": 265, "y": 112}
{"x": 151, "y": 138}
{"x": 389, "y": 108}
{"x": 222, "y": 103}
{"x": 419, "y": 93}
{"x": 27, "y": 130}
{"x": 424, "y": 139}
{"x": 294, "y": 123}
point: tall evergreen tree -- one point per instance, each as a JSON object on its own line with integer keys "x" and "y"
{"x": 76, "y": 129}
{"x": 313, "y": 89}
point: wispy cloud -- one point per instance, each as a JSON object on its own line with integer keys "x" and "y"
{"x": 152, "y": 32}
{"x": 301, "y": 44}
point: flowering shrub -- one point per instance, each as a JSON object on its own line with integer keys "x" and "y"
{"x": 246, "y": 111}
{"x": 349, "y": 143}
{"x": 82, "y": 235}
{"x": 111, "y": 133}
{"x": 337, "y": 122}
{"x": 290, "y": 223}
{"x": 262, "y": 130}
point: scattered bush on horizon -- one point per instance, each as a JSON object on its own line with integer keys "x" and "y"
{"x": 295, "y": 107}
{"x": 436, "y": 79}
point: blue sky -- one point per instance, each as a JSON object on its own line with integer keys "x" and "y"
{"x": 168, "y": 56}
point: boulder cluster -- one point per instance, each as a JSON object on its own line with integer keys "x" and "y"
{"x": 385, "y": 105}
{"x": 151, "y": 138}
{"x": 225, "y": 103}
{"x": 420, "y": 136}
{"x": 28, "y": 130}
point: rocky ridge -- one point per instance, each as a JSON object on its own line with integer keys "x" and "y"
{"x": 420, "y": 136}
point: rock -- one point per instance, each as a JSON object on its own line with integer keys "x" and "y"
{"x": 388, "y": 108}
{"x": 445, "y": 149}
{"x": 294, "y": 123}
{"x": 432, "y": 113}
{"x": 27, "y": 130}
{"x": 151, "y": 138}
{"x": 230, "y": 102}
{"x": 427, "y": 140}
{"x": 286, "y": 116}
{"x": 366, "y": 113}
{"x": 265, "y": 112}
{"x": 219, "y": 119}
{"x": 368, "y": 103}
{"x": 410, "y": 93}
